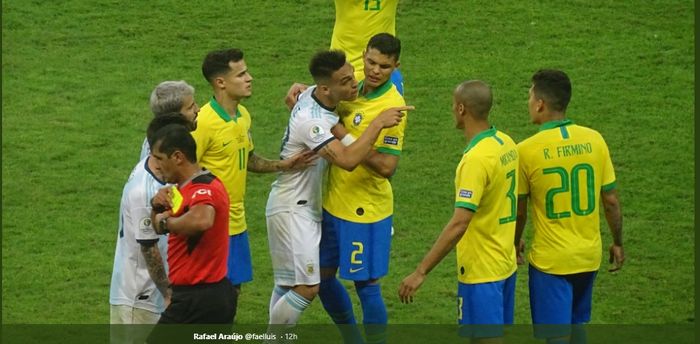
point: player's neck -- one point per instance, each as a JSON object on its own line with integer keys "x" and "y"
{"x": 187, "y": 173}
{"x": 325, "y": 100}
{"x": 228, "y": 104}
{"x": 552, "y": 116}
{"x": 474, "y": 128}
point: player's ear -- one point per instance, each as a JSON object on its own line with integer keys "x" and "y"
{"x": 219, "y": 82}
{"x": 397, "y": 64}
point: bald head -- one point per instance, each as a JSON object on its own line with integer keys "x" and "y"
{"x": 476, "y": 98}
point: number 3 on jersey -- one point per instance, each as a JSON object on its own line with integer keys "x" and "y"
{"x": 513, "y": 200}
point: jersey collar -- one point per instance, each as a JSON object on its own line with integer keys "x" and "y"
{"x": 480, "y": 136}
{"x": 222, "y": 113}
{"x": 555, "y": 124}
{"x": 383, "y": 88}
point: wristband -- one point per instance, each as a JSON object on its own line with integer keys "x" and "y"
{"x": 348, "y": 140}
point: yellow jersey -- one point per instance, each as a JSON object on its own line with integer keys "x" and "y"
{"x": 486, "y": 182}
{"x": 363, "y": 196}
{"x": 223, "y": 145}
{"x": 563, "y": 169}
{"x": 356, "y": 21}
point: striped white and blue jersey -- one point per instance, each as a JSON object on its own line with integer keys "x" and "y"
{"x": 131, "y": 284}
{"x": 309, "y": 128}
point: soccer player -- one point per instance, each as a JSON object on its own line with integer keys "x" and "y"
{"x": 358, "y": 207}
{"x": 483, "y": 223}
{"x": 565, "y": 172}
{"x": 294, "y": 205}
{"x": 356, "y": 21}
{"x": 198, "y": 232}
{"x": 139, "y": 290}
{"x": 225, "y": 147}
{"x": 172, "y": 97}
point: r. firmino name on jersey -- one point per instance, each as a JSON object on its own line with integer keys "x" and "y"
{"x": 570, "y": 150}
{"x": 509, "y": 157}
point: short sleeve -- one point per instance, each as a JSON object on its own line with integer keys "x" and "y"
{"x": 315, "y": 133}
{"x": 201, "y": 194}
{"x": 608, "y": 178}
{"x": 140, "y": 220}
{"x": 470, "y": 182}
{"x": 523, "y": 181}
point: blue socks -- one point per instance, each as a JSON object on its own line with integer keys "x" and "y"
{"x": 336, "y": 301}
{"x": 374, "y": 315}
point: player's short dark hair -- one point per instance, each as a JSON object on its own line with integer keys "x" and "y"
{"x": 554, "y": 87}
{"x": 175, "y": 137}
{"x": 387, "y": 44}
{"x": 325, "y": 63}
{"x": 216, "y": 62}
{"x": 161, "y": 121}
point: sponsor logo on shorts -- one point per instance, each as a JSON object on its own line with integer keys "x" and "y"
{"x": 465, "y": 193}
{"x": 352, "y": 271}
{"x": 391, "y": 140}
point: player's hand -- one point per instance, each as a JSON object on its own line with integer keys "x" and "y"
{"x": 409, "y": 286}
{"x": 617, "y": 257}
{"x": 293, "y": 94}
{"x": 392, "y": 116}
{"x": 299, "y": 161}
{"x": 156, "y": 221}
{"x": 163, "y": 200}
{"x": 520, "y": 252}
{"x": 167, "y": 298}
{"x": 339, "y": 131}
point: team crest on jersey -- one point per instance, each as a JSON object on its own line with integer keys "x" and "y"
{"x": 465, "y": 193}
{"x": 316, "y": 133}
{"x": 357, "y": 119}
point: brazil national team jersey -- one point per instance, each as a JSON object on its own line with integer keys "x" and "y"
{"x": 223, "y": 145}
{"x": 356, "y": 21}
{"x": 486, "y": 183}
{"x": 362, "y": 195}
{"x": 563, "y": 169}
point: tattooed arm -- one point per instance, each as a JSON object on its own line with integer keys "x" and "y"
{"x": 299, "y": 161}
{"x": 156, "y": 268}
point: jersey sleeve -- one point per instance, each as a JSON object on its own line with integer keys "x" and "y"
{"x": 315, "y": 133}
{"x": 470, "y": 183}
{"x": 523, "y": 181}
{"x": 390, "y": 140}
{"x": 608, "y": 178}
{"x": 140, "y": 220}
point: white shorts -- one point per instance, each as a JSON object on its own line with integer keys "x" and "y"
{"x": 294, "y": 241}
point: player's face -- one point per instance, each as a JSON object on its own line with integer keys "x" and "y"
{"x": 378, "y": 67}
{"x": 189, "y": 108}
{"x": 238, "y": 81}
{"x": 343, "y": 85}
{"x": 165, "y": 165}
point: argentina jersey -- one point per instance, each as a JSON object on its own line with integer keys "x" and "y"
{"x": 131, "y": 284}
{"x": 309, "y": 128}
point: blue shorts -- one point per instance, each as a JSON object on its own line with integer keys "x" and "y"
{"x": 240, "y": 265}
{"x": 397, "y": 80}
{"x": 559, "y": 299}
{"x": 485, "y": 307}
{"x": 360, "y": 251}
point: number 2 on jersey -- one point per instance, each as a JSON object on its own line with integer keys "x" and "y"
{"x": 570, "y": 182}
{"x": 376, "y": 5}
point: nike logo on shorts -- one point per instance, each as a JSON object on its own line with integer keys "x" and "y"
{"x": 352, "y": 271}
